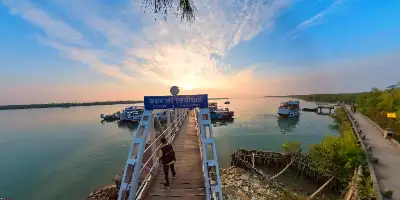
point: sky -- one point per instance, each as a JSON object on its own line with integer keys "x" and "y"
{"x": 98, "y": 50}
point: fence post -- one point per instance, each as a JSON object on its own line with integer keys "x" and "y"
{"x": 252, "y": 159}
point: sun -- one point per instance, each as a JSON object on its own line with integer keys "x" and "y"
{"x": 187, "y": 86}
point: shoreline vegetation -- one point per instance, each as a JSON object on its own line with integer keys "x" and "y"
{"x": 329, "y": 98}
{"x": 340, "y": 156}
{"x": 374, "y": 104}
{"x": 73, "y": 104}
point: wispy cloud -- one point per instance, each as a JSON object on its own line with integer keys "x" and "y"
{"x": 155, "y": 51}
{"x": 54, "y": 29}
{"x": 316, "y": 19}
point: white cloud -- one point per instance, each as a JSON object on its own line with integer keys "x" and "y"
{"x": 177, "y": 49}
{"x": 54, "y": 29}
{"x": 155, "y": 51}
{"x": 316, "y": 19}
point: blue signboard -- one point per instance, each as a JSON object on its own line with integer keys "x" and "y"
{"x": 180, "y": 101}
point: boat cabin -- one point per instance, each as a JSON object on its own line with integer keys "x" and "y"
{"x": 133, "y": 113}
{"x": 290, "y": 104}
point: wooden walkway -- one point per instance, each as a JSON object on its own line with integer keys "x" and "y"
{"x": 189, "y": 181}
{"x": 387, "y": 169}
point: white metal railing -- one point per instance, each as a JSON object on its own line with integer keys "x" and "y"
{"x": 213, "y": 187}
{"x": 169, "y": 133}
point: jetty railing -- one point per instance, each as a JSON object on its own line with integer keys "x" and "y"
{"x": 148, "y": 166}
{"x": 205, "y": 135}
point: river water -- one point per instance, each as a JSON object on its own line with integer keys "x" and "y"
{"x": 63, "y": 154}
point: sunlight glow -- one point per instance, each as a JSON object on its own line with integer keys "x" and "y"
{"x": 187, "y": 86}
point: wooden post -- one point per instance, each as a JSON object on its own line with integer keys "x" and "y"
{"x": 321, "y": 188}
{"x": 283, "y": 170}
{"x": 252, "y": 159}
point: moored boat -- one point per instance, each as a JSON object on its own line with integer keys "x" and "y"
{"x": 219, "y": 113}
{"x": 227, "y": 102}
{"x": 289, "y": 108}
{"x": 114, "y": 116}
{"x": 133, "y": 114}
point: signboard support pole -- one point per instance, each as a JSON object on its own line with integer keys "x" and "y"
{"x": 153, "y": 137}
{"x": 179, "y": 112}
{"x": 175, "y": 118}
{"x": 169, "y": 124}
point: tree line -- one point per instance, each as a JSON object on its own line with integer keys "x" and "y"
{"x": 74, "y": 104}
{"x": 375, "y": 104}
{"x": 350, "y": 97}
{"x": 65, "y": 105}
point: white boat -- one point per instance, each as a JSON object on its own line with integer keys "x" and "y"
{"x": 133, "y": 114}
{"x": 289, "y": 108}
{"x": 219, "y": 113}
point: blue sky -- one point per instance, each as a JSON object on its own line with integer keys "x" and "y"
{"x": 74, "y": 50}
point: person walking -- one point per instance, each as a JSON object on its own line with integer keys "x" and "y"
{"x": 167, "y": 157}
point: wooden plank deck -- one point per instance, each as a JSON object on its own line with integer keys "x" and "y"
{"x": 189, "y": 182}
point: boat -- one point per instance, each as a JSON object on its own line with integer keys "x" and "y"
{"x": 219, "y": 113}
{"x": 132, "y": 114}
{"x": 114, "y": 116}
{"x": 289, "y": 108}
{"x": 227, "y": 102}
{"x": 135, "y": 113}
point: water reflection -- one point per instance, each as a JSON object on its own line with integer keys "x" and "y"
{"x": 131, "y": 126}
{"x": 221, "y": 122}
{"x": 103, "y": 121}
{"x": 287, "y": 124}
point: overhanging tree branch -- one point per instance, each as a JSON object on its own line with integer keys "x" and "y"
{"x": 184, "y": 8}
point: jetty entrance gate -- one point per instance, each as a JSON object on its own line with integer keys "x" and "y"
{"x": 142, "y": 168}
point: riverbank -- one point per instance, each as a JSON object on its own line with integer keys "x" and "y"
{"x": 106, "y": 193}
{"x": 237, "y": 183}
{"x": 67, "y": 105}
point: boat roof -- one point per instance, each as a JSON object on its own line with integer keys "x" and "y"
{"x": 291, "y": 102}
{"x": 133, "y": 108}
{"x": 212, "y": 104}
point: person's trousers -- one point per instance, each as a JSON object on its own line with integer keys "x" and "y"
{"x": 166, "y": 172}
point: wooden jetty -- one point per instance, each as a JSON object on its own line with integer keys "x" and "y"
{"x": 192, "y": 135}
{"x": 189, "y": 181}
{"x": 320, "y": 109}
